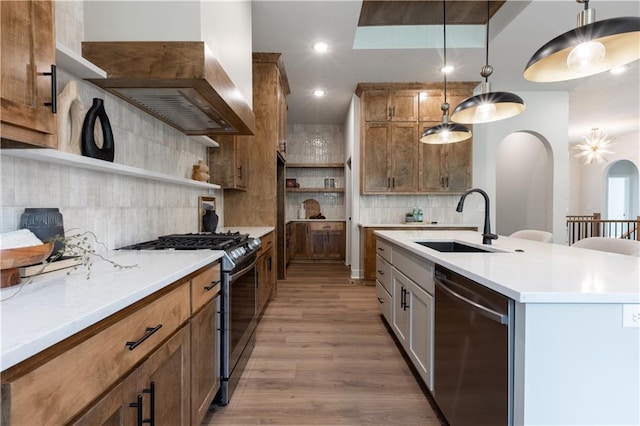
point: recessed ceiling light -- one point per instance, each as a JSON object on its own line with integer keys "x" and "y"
{"x": 447, "y": 69}
{"x": 321, "y": 47}
{"x": 319, "y": 93}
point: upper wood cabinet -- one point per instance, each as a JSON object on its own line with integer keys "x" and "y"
{"x": 228, "y": 163}
{"x": 28, "y": 52}
{"x": 445, "y": 167}
{"x": 389, "y": 155}
{"x": 387, "y": 105}
{"x": 393, "y": 159}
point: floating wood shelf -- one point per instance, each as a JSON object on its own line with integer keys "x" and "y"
{"x": 315, "y": 189}
{"x": 81, "y": 162}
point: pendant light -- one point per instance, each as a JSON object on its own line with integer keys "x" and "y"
{"x": 591, "y": 48}
{"x": 488, "y": 106}
{"x": 445, "y": 132}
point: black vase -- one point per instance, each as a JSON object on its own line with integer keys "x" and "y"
{"x": 89, "y": 147}
{"x": 45, "y": 223}
{"x": 210, "y": 221}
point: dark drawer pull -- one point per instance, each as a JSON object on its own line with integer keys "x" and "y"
{"x": 212, "y": 285}
{"x": 380, "y": 249}
{"x": 380, "y": 272}
{"x": 148, "y": 332}
{"x": 380, "y": 300}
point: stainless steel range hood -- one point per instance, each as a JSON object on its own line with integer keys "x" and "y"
{"x": 180, "y": 83}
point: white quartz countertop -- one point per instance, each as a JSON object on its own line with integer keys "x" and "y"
{"x": 414, "y": 225}
{"x": 541, "y": 273}
{"x": 254, "y": 231}
{"x": 317, "y": 220}
{"x": 55, "y": 305}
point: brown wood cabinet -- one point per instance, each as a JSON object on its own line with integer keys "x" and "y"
{"x": 162, "y": 381}
{"x": 28, "y": 51}
{"x": 393, "y": 160}
{"x": 94, "y": 376}
{"x": 390, "y": 105}
{"x": 369, "y": 243}
{"x": 266, "y": 271}
{"x": 318, "y": 241}
{"x": 228, "y": 162}
{"x": 205, "y": 338}
{"x": 389, "y": 153}
{"x": 445, "y": 167}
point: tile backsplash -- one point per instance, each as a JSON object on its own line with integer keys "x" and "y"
{"x": 316, "y": 144}
{"x": 392, "y": 208}
{"x": 118, "y": 209}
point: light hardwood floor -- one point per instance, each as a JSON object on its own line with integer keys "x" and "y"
{"x": 324, "y": 357}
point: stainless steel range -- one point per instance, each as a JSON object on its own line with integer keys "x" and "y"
{"x": 238, "y": 317}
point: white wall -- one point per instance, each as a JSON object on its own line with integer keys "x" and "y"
{"x": 546, "y": 115}
{"x": 224, "y": 26}
{"x": 524, "y": 187}
{"x": 352, "y": 183}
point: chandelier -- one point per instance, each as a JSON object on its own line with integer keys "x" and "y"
{"x": 594, "y": 147}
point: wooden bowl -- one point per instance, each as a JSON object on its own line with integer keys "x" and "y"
{"x": 12, "y": 259}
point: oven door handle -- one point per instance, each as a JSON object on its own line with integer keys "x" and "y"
{"x": 243, "y": 271}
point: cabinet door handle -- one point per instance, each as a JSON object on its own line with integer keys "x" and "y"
{"x": 54, "y": 83}
{"x": 148, "y": 332}
{"x": 447, "y": 180}
{"x": 212, "y": 285}
{"x": 389, "y": 112}
{"x": 152, "y": 404}
{"x": 402, "y": 298}
{"x": 138, "y": 406}
{"x": 240, "y": 172}
{"x": 393, "y": 182}
{"x": 380, "y": 300}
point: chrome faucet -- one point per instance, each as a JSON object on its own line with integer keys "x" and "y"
{"x": 487, "y": 236}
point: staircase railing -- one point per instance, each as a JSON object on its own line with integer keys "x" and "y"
{"x": 583, "y": 226}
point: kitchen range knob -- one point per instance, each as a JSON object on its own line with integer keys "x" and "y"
{"x": 254, "y": 243}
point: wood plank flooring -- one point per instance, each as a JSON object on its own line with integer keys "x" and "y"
{"x": 324, "y": 357}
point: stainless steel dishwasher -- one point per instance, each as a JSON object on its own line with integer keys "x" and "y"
{"x": 473, "y": 352}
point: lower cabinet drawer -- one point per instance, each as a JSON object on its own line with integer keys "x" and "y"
{"x": 384, "y": 301}
{"x": 383, "y": 273}
{"x": 205, "y": 286}
{"x": 55, "y": 392}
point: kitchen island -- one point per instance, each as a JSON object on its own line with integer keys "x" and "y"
{"x": 576, "y": 348}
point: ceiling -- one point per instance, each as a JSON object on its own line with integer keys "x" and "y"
{"x": 517, "y": 30}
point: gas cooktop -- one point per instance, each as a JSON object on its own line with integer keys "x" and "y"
{"x": 207, "y": 240}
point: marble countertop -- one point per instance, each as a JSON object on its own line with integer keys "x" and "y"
{"x": 541, "y": 273}
{"x": 55, "y": 305}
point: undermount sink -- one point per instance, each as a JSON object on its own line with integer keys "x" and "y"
{"x": 452, "y": 247}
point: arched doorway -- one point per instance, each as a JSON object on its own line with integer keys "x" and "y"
{"x": 524, "y": 184}
{"x": 621, "y": 190}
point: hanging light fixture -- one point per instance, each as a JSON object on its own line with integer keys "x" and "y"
{"x": 591, "y": 48}
{"x": 488, "y": 106}
{"x": 445, "y": 132}
{"x": 594, "y": 147}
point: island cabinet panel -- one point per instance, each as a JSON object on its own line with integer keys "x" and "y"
{"x": 28, "y": 51}
{"x": 404, "y": 289}
{"x": 371, "y": 248}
